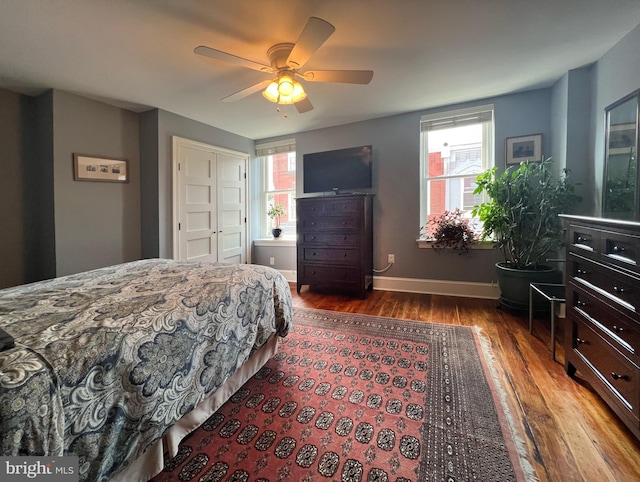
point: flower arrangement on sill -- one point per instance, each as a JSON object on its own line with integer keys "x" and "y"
{"x": 275, "y": 212}
{"x": 450, "y": 230}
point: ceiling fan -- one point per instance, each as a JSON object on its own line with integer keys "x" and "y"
{"x": 286, "y": 60}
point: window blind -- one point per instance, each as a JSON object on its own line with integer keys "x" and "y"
{"x": 463, "y": 117}
{"x": 276, "y": 147}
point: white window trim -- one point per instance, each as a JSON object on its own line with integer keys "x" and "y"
{"x": 427, "y": 243}
{"x": 444, "y": 120}
{"x": 268, "y": 149}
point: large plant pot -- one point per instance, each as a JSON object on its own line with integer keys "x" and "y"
{"x": 514, "y": 285}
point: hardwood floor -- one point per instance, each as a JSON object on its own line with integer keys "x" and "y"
{"x": 571, "y": 434}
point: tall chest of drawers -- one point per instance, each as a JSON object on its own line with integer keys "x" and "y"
{"x": 603, "y": 311}
{"x": 335, "y": 243}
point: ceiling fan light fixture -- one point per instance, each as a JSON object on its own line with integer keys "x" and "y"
{"x": 296, "y": 96}
{"x": 285, "y": 84}
{"x": 274, "y": 92}
{"x": 271, "y": 92}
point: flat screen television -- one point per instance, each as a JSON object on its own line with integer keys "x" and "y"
{"x": 342, "y": 170}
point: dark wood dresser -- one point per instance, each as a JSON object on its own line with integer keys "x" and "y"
{"x": 603, "y": 311}
{"x": 335, "y": 243}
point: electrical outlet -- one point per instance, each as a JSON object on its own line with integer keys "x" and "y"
{"x": 391, "y": 258}
{"x": 272, "y": 261}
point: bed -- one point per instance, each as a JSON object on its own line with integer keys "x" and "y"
{"x": 117, "y": 364}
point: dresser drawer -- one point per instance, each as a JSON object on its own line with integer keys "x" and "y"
{"x": 339, "y": 205}
{"x": 325, "y": 223}
{"x": 617, "y": 374}
{"x": 340, "y": 255}
{"x": 620, "y": 330}
{"x": 619, "y": 288}
{"x": 330, "y": 206}
{"x": 622, "y": 250}
{"x": 584, "y": 240}
{"x": 331, "y": 239}
{"x": 312, "y": 274}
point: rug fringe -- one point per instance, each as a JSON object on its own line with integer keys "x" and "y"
{"x": 519, "y": 442}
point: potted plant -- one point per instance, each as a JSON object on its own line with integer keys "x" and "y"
{"x": 450, "y": 230}
{"x": 275, "y": 212}
{"x": 521, "y": 216}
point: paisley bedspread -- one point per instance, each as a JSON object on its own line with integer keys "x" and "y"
{"x": 106, "y": 361}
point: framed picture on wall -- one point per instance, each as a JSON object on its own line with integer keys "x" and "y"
{"x": 524, "y": 148}
{"x": 105, "y": 169}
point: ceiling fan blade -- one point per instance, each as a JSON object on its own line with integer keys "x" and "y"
{"x": 233, "y": 59}
{"x": 342, "y": 76}
{"x": 241, "y": 94}
{"x": 314, "y": 34}
{"x": 304, "y": 105}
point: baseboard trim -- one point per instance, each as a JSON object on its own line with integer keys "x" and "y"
{"x": 465, "y": 289}
{"x": 290, "y": 274}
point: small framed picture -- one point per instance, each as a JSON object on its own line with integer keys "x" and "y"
{"x": 105, "y": 169}
{"x": 524, "y": 148}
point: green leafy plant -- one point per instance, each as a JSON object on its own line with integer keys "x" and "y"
{"x": 620, "y": 192}
{"x": 450, "y": 230}
{"x": 275, "y": 212}
{"x": 522, "y": 213}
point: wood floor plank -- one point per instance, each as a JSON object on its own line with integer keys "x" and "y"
{"x": 571, "y": 433}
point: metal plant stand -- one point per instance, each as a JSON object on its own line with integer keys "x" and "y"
{"x": 555, "y": 294}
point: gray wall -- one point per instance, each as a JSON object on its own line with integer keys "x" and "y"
{"x": 571, "y": 141}
{"x": 156, "y": 129}
{"x": 96, "y": 223}
{"x": 615, "y": 75}
{"x": 40, "y": 252}
{"x": 27, "y": 245}
{"x": 11, "y": 191}
{"x": 284, "y": 257}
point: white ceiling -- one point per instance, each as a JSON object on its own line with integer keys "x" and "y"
{"x": 425, "y": 53}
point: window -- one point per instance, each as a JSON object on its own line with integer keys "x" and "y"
{"x": 279, "y": 184}
{"x": 455, "y": 147}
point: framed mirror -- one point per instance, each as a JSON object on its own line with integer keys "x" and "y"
{"x": 620, "y": 187}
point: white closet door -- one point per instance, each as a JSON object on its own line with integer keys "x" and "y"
{"x": 210, "y": 203}
{"x": 232, "y": 220}
{"x": 198, "y": 212}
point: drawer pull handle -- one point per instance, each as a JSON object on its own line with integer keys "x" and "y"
{"x": 618, "y": 329}
{"x": 582, "y": 271}
{"x": 580, "y": 239}
{"x": 580, "y": 341}
{"x": 617, "y": 376}
{"x": 581, "y": 303}
{"x": 618, "y": 290}
{"x": 618, "y": 249}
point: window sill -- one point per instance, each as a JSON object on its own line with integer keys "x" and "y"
{"x": 282, "y": 241}
{"x": 427, "y": 243}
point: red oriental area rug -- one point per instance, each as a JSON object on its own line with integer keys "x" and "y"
{"x": 353, "y": 397}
